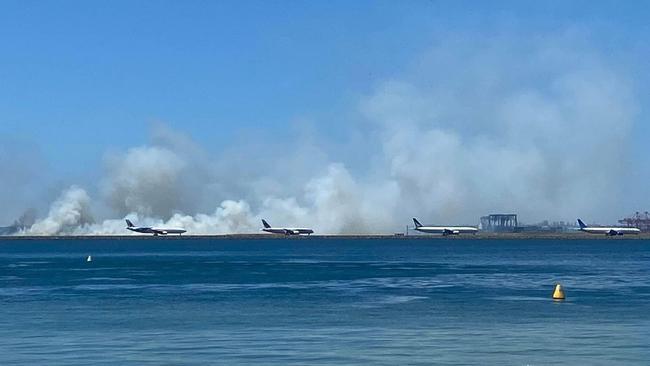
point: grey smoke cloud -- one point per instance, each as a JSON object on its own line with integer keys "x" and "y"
{"x": 145, "y": 180}
{"x": 506, "y": 129}
{"x": 21, "y": 172}
{"x": 477, "y": 125}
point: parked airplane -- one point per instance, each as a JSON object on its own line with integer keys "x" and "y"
{"x": 152, "y": 230}
{"x": 285, "y": 230}
{"x": 611, "y": 231}
{"x": 444, "y": 230}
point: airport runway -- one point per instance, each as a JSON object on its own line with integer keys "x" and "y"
{"x": 479, "y": 236}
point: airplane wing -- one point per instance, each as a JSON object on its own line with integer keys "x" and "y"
{"x": 159, "y": 232}
{"x": 450, "y": 232}
{"x": 612, "y": 232}
{"x": 291, "y": 232}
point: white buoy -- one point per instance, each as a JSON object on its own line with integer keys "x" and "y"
{"x": 89, "y": 259}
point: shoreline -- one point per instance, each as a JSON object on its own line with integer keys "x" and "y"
{"x": 479, "y": 236}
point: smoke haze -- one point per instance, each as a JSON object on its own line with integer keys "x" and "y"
{"x": 475, "y": 126}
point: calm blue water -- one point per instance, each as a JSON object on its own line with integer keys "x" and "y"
{"x": 324, "y": 301}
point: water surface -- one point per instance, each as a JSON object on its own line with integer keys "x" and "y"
{"x": 324, "y": 302}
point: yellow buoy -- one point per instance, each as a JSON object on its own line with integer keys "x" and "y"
{"x": 558, "y": 294}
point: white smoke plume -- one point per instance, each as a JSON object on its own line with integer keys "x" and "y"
{"x": 67, "y": 214}
{"x": 476, "y": 126}
{"x": 229, "y": 217}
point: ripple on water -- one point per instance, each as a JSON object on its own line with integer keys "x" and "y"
{"x": 10, "y": 278}
{"x": 106, "y": 279}
{"x": 108, "y": 287}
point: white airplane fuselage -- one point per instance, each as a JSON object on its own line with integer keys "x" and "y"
{"x": 285, "y": 230}
{"x": 156, "y": 231}
{"x": 611, "y": 231}
{"x": 444, "y": 230}
{"x": 447, "y": 230}
{"x": 288, "y": 230}
{"x": 152, "y": 230}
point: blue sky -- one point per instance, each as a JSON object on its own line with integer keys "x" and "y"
{"x": 80, "y": 78}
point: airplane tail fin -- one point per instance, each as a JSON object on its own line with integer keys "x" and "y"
{"x": 266, "y": 224}
{"x": 129, "y": 223}
{"x": 416, "y": 222}
{"x": 582, "y": 224}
